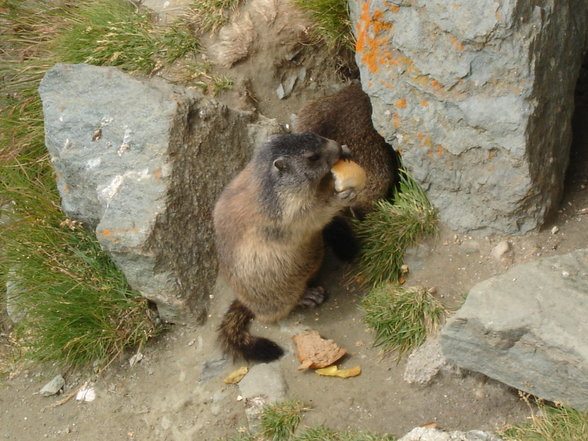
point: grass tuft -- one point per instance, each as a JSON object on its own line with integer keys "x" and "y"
{"x": 390, "y": 229}
{"x": 279, "y": 421}
{"x": 322, "y": 433}
{"x": 401, "y": 317}
{"x": 551, "y": 423}
{"x": 332, "y": 22}
{"x": 109, "y": 33}
{"x": 210, "y": 15}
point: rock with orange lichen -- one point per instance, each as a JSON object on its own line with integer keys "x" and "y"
{"x": 490, "y": 87}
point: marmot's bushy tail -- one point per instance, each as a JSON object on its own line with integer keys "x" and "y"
{"x": 236, "y": 339}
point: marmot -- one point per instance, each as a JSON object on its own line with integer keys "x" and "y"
{"x": 268, "y": 229}
{"x": 346, "y": 117}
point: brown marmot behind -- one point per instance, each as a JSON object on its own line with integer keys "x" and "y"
{"x": 268, "y": 229}
{"x": 346, "y": 117}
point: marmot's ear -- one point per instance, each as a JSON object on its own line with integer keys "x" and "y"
{"x": 281, "y": 164}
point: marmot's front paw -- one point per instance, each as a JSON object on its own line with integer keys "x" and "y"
{"x": 347, "y": 196}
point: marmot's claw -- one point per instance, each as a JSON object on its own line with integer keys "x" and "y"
{"x": 347, "y": 195}
{"x": 313, "y": 297}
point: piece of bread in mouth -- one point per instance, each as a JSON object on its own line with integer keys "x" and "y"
{"x": 348, "y": 174}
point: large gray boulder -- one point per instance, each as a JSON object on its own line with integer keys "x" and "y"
{"x": 142, "y": 162}
{"x": 478, "y": 96}
{"x": 528, "y": 328}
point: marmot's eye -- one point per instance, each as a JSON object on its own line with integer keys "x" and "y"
{"x": 314, "y": 157}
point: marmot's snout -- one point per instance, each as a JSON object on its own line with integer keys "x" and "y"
{"x": 336, "y": 151}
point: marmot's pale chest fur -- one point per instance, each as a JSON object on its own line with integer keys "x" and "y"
{"x": 268, "y": 230}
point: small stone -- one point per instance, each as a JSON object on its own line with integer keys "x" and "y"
{"x": 53, "y": 387}
{"x": 136, "y": 359}
{"x": 471, "y": 247}
{"x": 500, "y": 250}
{"x": 555, "y": 230}
{"x": 425, "y": 362}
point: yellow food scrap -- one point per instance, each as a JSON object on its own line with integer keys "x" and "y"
{"x": 334, "y": 371}
{"x": 236, "y": 376}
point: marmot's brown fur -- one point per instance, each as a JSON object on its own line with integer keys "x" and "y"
{"x": 268, "y": 229}
{"x": 346, "y": 117}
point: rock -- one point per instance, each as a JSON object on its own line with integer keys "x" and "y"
{"x": 432, "y": 434}
{"x": 263, "y": 385}
{"x": 142, "y": 162}
{"x": 477, "y": 96}
{"x": 527, "y": 328}
{"x": 501, "y": 250}
{"x": 53, "y": 387}
{"x": 425, "y": 362}
{"x": 265, "y": 380}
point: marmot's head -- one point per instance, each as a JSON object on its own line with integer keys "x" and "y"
{"x": 295, "y": 163}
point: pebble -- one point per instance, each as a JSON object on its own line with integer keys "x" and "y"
{"x": 53, "y": 387}
{"x": 555, "y": 230}
{"x": 471, "y": 247}
{"x": 500, "y": 250}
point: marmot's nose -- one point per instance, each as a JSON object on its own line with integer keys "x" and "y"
{"x": 345, "y": 152}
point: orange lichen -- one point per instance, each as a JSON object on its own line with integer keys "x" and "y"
{"x": 423, "y": 103}
{"x": 369, "y": 45}
{"x": 401, "y": 103}
{"x": 108, "y": 233}
{"x": 157, "y": 173}
{"x": 439, "y": 149}
{"x": 456, "y": 44}
{"x": 395, "y": 120}
{"x": 436, "y": 85}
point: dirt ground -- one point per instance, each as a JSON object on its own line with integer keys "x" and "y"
{"x": 176, "y": 391}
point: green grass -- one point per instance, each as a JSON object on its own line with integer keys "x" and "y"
{"x": 77, "y": 306}
{"x": 331, "y": 20}
{"x": 550, "y": 423}
{"x": 109, "y": 33}
{"x": 210, "y": 15}
{"x": 401, "y": 317}
{"x": 390, "y": 229}
{"x": 322, "y": 433}
{"x": 279, "y": 421}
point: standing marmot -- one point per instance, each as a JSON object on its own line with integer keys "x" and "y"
{"x": 346, "y": 117}
{"x": 268, "y": 229}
